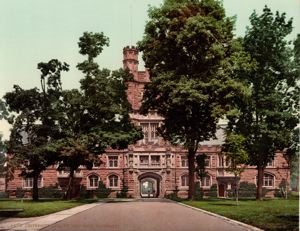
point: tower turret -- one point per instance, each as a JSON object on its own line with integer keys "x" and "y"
{"x": 130, "y": 58}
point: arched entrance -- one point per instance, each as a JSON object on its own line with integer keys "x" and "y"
{"x": 149, "y": 185}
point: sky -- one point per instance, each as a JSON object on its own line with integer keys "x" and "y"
{"x": 33, "y": 31}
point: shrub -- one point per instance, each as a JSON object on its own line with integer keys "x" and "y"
{"x": 102, "y": 191}
{"x": 198, "y": 192}
{"x": 247, "y": 189}
{"x": 3, "y": 195}
{"x": 20, "y": 193}
{"x": 173, "y": 196}
{"x": 51, "y": 192}
{"x": 213, "y": 191}
{"x": 123, "y": 192}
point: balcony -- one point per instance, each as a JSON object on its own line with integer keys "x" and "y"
{"x": 224, "y": 173}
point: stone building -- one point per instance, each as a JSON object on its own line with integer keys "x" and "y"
{"x": 152, "y": 167}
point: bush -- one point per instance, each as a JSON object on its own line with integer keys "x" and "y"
{"x": 123, "y": 192}
{"x": 51, "y": 192}
{"x": 198, "y": 192}
{"x": 213, "y": 191}
{"x": 3, "y": 195}
{"x": 102, "y": 191}
{"x": 173, "y": 196}
{"x": 20, "y": 193}
{"x": 247, "y": 189}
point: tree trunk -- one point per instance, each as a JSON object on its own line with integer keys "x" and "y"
{"x": 260, "y": 177}
{"x": 68, "y": 195}
{"x": 35, "y": 189}
{"x": 236, "y": 189}
{"x": 191, "y": 161}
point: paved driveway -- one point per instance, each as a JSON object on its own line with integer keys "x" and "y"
{"x": 143, "y": 216}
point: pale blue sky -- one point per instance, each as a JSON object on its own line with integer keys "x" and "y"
{"x": 32, "y": 31}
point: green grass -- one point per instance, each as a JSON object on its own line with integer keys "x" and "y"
{"x": 273, "y": 215}
{"x": 42, "y": 207}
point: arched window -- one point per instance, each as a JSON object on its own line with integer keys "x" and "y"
{"x": 205, "y": 182}
{"x": 93, "y": 181}
{"x": 113, "y": 181}
{"x": 185, "y": 180}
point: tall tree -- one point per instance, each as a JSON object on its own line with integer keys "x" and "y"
{"x": 268, "y": 119}
{"x": 193, "y": 60}
{"x": 34, "y": 124}
{"x": 96, "y": 116}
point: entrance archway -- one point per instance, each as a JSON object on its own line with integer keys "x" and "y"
{"x": 149, "y": 185}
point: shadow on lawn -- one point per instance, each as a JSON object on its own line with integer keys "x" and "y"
{"x": 289, "y": 218}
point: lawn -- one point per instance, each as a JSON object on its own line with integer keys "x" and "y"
{"x": 274, "y": 215}
{"x": 42, "y": 207}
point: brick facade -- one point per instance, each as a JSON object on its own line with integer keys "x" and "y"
{"x": 152, "y": 167}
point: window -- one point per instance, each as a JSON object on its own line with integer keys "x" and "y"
{"x": 205, "y": 182}
{"x": 155, "y": 160}
{"x": 113, "y": 161}
{"x": 270, "y": 163}
{"x": 207, "y": 161}
{"x": 113, "y": 181}
{"x": 185, "y": 180}
{"x": 223, "y": 162}
{"x": 268, "y": 180}
{"x": 93, "y": 181}
{"x": 28, "y": 182}
{"x": 184, "y": 161}
{"x": 150, "y": 132}
{"x": 144, "y": 160}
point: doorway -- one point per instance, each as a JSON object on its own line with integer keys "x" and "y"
{"x": 148, "y": 187}
{"x": 221, "y": 190}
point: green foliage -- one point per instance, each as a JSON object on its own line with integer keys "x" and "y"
{"x": 102, "y": 191}
{"x": 34, "y": 125}
{"x": 3, "y": 195}
{"x": 234, "y": 150}
{"x": 96, "y": 116}
{"x": 268, "y": 118}
{"x": 213, "y": 191}
{"x": 123, "y": 192}
{"x": 51, "y": 192}
{"x": 199, "y": 193}
{"x": 200, "y": 169}
{"x": 3, "y": 111}
{"x": 173, "y": 196}
{"x": 20, "y": 193}
{"x": 2, "y": 158}
{"x": 193, "y": 60}
{"x": 246, "y": 190}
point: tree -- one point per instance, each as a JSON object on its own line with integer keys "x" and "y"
{"x": 292, "y": 156}
{"x": 3, "y": 111}
{"x": 193, "y": 60}
{"x": 237, "y": 156}
{"x": 34, "y": 124}
{"x": 2, "y": 157}
{"x": 95, "y": 117}
{"x": 269, "y": 117}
